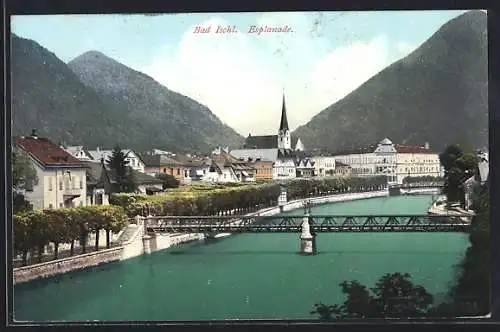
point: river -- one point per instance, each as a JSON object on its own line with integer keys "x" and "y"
{"x": 248, "y": 276}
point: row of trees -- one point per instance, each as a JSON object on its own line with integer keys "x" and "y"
{"x": 396, "y": 296}
{"x": 303, "y": 188}
{"x": 33, "y": 230}
{"x": 238, "y": 199}
{"x": 422, "y": 179}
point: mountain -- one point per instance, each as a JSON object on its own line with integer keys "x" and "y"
{"x": 168, "y": 119}
{"x": 437, "y": 94}
{"x": 128, "y": 108}
{"x": 49, "y": 97}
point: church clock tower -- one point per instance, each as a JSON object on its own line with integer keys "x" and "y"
{"x": 284, "y": 139}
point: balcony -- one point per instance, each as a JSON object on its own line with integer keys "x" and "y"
{"x": 71, "y": 193}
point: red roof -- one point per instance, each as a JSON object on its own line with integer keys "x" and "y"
{"x": 47, "y": 153}
{"x": 412, "y": 149}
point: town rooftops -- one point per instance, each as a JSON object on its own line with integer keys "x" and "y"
{"x": 47, "y": 153}
{"x": 159, "y": 160}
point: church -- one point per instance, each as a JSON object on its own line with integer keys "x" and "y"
{"x": 275, "y": 148}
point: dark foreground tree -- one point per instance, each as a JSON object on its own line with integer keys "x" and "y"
{"x": 394, "y": 296}
{"x": 121, "y": 175}
{"x": 458, "y": 166}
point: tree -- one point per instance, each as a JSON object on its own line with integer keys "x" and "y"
{"x": 394, "y": 296}
{"x": 121, "y": 175}
{"x": 169, "y": 181}
{"x": 23, "y": 178}
{"x": 458, "y": 166}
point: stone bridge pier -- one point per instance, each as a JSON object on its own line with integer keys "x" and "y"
{"x": 307, "y": 239}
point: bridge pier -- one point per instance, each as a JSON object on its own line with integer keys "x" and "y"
{"x": 307, "y": 240}
{"x": 146, "y": 243}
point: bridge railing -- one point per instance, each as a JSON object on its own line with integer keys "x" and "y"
{"x": 318, "y": 223}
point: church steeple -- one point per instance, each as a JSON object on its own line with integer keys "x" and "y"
{"x": 284, "y": 121}
{"x": 284, "y": 139}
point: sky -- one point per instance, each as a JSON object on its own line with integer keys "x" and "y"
{"x": 323, "y": 57}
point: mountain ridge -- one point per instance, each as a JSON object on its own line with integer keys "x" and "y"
{"x": 48, "y": 95}
{"x": 411, "y": 100}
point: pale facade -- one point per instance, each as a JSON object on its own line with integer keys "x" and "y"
{"x": 324, "y": 165}
{"x": 394, "y": 161}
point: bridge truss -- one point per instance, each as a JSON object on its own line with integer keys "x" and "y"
{"x": 318, "y": 224}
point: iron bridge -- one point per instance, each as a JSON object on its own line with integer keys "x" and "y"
{"x": 318, "y": 224}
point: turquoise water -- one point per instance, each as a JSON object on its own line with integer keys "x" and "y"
{"x": 248, "y": 276}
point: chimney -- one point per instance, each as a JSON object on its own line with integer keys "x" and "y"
{"x": 426, "y": 145}
{"x": 33, "y": 134}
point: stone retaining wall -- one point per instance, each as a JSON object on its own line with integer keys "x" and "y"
{"x": 55, "y": 267}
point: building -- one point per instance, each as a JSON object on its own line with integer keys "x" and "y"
{"x": 163, "y": 164}
{"x": 195, "y": 169}
{"x": 324, "y": 164}
{"x": 226, "y": 168}
{"x": 79, "y": 152}
{"x": 342, "y": 170}
{"x": 61, "y": 177}
{"x": 100, "y": 180}
{"x": 134, "y": 160}
{"x": 305, "y": 167}
{"x": 483, "y": 166}
{"x": 417, "y": 162}
{"x": 263, "y": 169}
{"x": 275, "y": 148}
{"x": 392, "y": 160}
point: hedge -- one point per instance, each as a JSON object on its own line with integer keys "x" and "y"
{"x": 224, "y": 200}
{"x": 35, "y": 229}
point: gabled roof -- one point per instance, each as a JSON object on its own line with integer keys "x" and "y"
{"x": 47, "y": 153}
{"x": 159, "y": 160}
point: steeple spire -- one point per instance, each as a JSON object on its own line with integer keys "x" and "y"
{"x": 284, "y": 121}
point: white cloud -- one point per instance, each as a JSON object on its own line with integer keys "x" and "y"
{"x": 240, "y": 76}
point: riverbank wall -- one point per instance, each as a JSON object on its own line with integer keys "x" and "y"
{"x": 52, "y": 268}
{"x": 130, "y": 240}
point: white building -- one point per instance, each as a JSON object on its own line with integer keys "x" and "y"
{"x": 393, "y": 160}
{"x": 324, "y": 165}
{"x": 78, "y": 152}
{"x": 134, "y": 161}
{"x": 276, "y": 148}
{"x": 61, "y": 177}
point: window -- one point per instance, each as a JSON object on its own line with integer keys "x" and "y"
{"x": 60, "y": 185}
{"x": 178, "y": 171}
{"x": 50, "y": 183}
{"x": 81, "y": 184}
{"x": 81, "y": 203}
{"x": 51, "y": 206}
{"x": 60, "y": 205}
{"x": 164, "y": 170}
{"x": 73, "y": 182}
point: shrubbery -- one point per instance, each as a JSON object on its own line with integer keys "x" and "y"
{"x": 221, "y": 199}
{"x": 35, "y": 229}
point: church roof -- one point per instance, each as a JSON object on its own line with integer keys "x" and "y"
{"x": 265, "y": 142}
